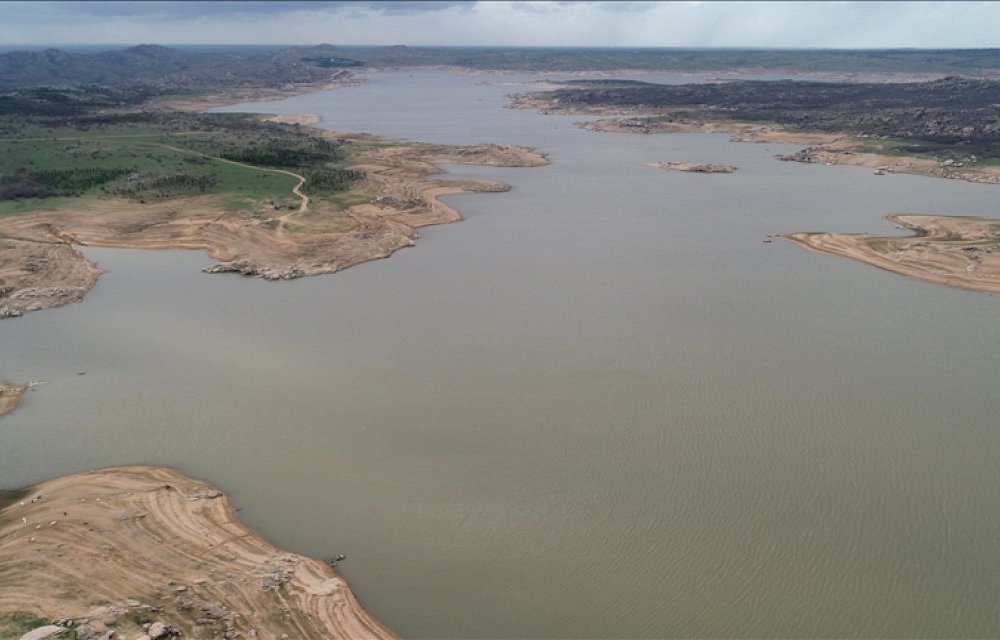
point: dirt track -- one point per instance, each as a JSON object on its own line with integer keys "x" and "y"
{"x": 45, "y": 270}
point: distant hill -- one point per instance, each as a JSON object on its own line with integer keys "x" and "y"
{"x": 158, "y": 65}
{"x": 154, "y": 64}
{"x": 945, "y": 61}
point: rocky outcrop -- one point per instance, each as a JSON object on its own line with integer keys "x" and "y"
{"x": 694, "y": 167}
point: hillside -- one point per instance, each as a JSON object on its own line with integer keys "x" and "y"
{"x": 157, "y": 65}
{"x": 154, "y": 64}
{"x": 949, "y": 118}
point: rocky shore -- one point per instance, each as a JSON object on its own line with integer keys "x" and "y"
{"x": 141, "y": 553}
{"x": 693, "y": 167}
{"x": 42, "y": 273}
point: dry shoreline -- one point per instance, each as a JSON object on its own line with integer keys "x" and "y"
{"x": 44, "y": 269}
{"x": 256, "y": 94}
{"x": 961, "y": 252}
{"x": 116, "y": 547}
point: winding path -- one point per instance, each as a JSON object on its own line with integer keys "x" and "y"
{"x": 297, "y": 189}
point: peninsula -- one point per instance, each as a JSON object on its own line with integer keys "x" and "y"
{"x": 264, "y": 197}
{"x": 961, "y": 252}
{"x": 148, "y": 552}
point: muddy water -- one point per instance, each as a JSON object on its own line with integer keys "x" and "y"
{"x": 599, "y": 407}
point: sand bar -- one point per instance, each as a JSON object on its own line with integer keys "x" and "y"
{"x": 115, "y": 547}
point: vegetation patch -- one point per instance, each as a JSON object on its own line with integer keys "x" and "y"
{"x": 14, "y": 625}
{"x": 951, "y": 118}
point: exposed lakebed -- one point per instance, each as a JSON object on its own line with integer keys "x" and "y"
{"x": 599, "y": 407}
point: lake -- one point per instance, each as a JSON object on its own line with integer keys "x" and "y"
{"x": 599, "y": 407}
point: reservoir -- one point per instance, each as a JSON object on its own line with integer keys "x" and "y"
{"x": 599, "y": 407}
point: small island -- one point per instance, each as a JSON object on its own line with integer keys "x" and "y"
{"x": 693, "y": 167}
{"x": 10, "y": 396}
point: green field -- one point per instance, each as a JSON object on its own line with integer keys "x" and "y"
{"x": 15, "y": 625}
{"x": 245, "y": 163}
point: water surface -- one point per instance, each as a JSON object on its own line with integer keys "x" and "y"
{"x": 599, "y": 407}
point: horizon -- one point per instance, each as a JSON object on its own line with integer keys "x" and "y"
{"x": 732, "y": 24}
{"x": 129, "y": 45}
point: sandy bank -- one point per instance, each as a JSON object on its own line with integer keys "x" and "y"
{"x": 10, "y": 396}
{"x": 142, "y": 544}
{"x": 959, "y": 252}
{"x": 45, "y": 270}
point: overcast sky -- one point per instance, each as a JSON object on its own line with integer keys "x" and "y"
{"x": 665, "y": 24}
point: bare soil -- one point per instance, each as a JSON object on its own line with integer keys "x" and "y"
{"x": 117, "y": 547}
{"x": 961, "y": 252}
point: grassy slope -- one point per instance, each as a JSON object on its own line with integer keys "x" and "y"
{"x": 144, "y": 151}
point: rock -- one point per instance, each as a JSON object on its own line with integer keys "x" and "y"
{"x": 97, "y": 614}
{"x": 274, "y": 579}
{"x": 47, "y": 631}
{"x": 215, "y": 610}
{"x": 86, "y": 632}
{"x": 156, "y": 630}
{"x": 694, "y": 167}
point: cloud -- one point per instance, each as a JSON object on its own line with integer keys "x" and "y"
{"x": 836, "y": 24}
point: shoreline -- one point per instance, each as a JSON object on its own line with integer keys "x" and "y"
{"x": 115, "y": 547}
{"x": 955, "y": 251}
{"x": 835, "y": 148}
{"x": 311, "y": 241}
{"x": 255, "y": 94}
